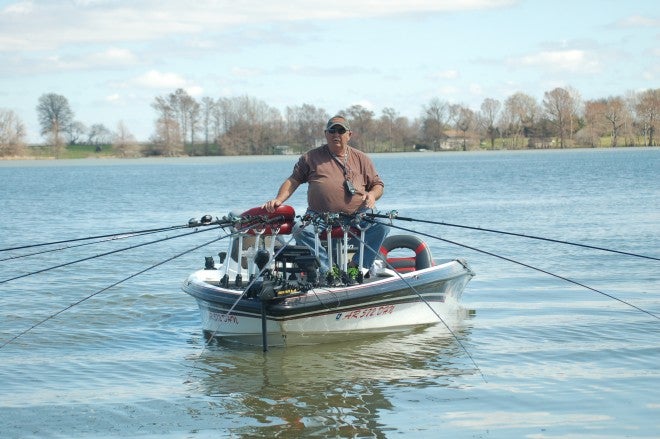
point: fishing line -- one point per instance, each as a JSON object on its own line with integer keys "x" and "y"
{"x": 105, "y": 254}
{"x": 112, "y": 238}
{"x": 531, "y": 267}
{"x": 11, "y": 340}
{"x": 219, "y": 225}
{"x": 162, "y": 229}
{"x": 425, "y": 302}
{"x": 394, "y": 215}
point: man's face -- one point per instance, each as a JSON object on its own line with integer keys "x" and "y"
{"x": 337, "y": 136}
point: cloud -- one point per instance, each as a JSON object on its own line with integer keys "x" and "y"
{"x": 38, "y": 63}
{"x": 245, "y": 72}
{"x": 445, "y": 74}
{"x": 18, "y": 8}
{"x": 448, "y": 91}
{"x": 113, "y": 98}
{"x": 637, "y": 21}
{"x": 476, "y": 89}
{"x": 194, "y": 90}
{"x": 109, "y": 58}
{"x": 652, "y": 73}
{"x": 570, "y": 60}
{"x": 154, "y": 79}
{"x": 29, "y": 26}
{"x": 365, "y": 103}
{"x": 113, "y": 56}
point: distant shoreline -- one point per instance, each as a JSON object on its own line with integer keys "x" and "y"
{"x": 156, "y": 157}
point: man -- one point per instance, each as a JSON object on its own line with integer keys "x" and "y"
{"x": 341, "y": 179}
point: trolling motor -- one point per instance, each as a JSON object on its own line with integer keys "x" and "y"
{"x": 266, "y": 291}
{"x": 262, "y": 288}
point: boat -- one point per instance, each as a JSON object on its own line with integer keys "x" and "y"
{"x": 265, "y": 290}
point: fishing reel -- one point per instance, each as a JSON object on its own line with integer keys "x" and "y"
{"x": 206, "y": 220}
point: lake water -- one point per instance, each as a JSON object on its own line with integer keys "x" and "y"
{"x": 555, "y": 360}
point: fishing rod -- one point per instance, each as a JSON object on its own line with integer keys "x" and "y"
{"x": 110, "y": 235}
{"x": 52, "y": 316}
{"x": 65, "y": 264}
{"x": 264, "y": 330}
{"x": 395, "y": 215}
{"x": 67, "y": 247}
{"x": 241, "y": 225}
{"x": 527, "y": 266}
{"x": 205, "y": 221}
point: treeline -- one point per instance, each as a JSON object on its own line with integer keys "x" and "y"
{"x": 248, "y": 126}
{"x": 244, "y": 125}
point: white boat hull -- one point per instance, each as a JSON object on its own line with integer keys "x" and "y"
{"x": 393, "y": 304}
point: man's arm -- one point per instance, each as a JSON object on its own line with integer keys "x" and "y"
{"x": 286, "y": 190}
{"x": 369, "y": 198}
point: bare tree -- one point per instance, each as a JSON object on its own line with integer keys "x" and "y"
{"x": 124, "y": 142}
{"x": 251, "y": 126}
{"x": 560, "y": 108}
{"x": 434, "y": 121}
{"x": 245, "y": 125}
{"x": 55, "y": 116}
{"x": 207, "y": 118}
{"x": 98, "y": 135}
{"x": 362, "y": 125}
{"x": 12, "y": 134}
{"x": 304, "y": 126}
{"x": 186, "y": 110}
{"x": 167, "y": 140}
{"x": 617, "y": 115}
{"x": 75, "y": 131}
{"x": 465, "y": 121}
{"x": 596, "y": 124}
{"x": 489, "y": 113}
{"x": 520, "y": 114}
{"x": 387, "y": 119}
{"x": 219, "y": 118}
{"x": 407, "y": 131}
{"x": 606, "y": 117}
{"x": 193, "y": 112}
{"x": 648, "y": 113}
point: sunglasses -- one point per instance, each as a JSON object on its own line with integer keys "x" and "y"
{"x": 336, "y": 131}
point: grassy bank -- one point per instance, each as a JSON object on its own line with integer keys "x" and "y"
{"x": 70, "y": 152}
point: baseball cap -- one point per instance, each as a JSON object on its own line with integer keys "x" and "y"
{"x": 338, "y": 120}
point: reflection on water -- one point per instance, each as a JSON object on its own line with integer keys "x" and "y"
{"x": 334, "y": 390}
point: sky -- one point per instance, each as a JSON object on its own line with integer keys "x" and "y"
{"x": 111, "y": 58}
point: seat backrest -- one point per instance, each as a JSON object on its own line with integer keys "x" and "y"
{"x": 280, "y": 221}
{"x": 248, "y": 241}
{"x": 416, "y": 256}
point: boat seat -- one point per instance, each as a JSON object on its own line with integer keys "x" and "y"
{"x": 249, "y": 241}
{"x": 402, "y": 264}
{"x": 283, "y": 220}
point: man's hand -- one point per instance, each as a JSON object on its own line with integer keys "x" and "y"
{"x": 272, "y": 205}
{"x": 369, "y": 200}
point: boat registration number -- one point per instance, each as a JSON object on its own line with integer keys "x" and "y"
{"x": 223, "y": 318}
{"x": 362, "y": 313}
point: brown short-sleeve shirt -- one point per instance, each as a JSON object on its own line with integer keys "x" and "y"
{"x": 325, "y": 177}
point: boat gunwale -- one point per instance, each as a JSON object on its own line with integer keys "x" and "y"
{"x": 353, "y": 296}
